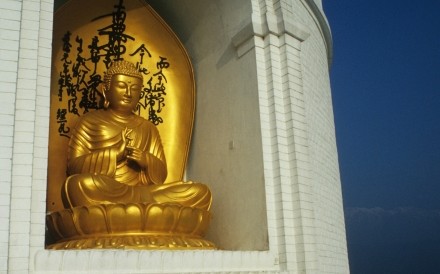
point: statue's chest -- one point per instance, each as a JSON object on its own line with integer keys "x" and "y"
{"x": 113, "y": 134}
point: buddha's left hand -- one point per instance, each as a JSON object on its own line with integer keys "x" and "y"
{"x": 136, "y": 155}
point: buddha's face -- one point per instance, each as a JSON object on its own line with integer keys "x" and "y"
{"x": 124, "y": 93}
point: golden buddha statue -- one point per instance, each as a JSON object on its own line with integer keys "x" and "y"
{"x": 116, "y": 156}
{"x": 115, "y": 196}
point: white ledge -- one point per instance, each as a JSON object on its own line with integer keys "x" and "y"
{"x": 145, "y": 261}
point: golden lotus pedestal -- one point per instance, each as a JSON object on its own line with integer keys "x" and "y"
{"x": 130, "y": 226}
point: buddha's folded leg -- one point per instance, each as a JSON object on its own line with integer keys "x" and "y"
{"x": 184, "y": 193}
{"x": 88, "y": 189}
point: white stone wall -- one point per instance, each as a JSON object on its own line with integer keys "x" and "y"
{"x": 287, "y": 101}
{"x": 330, "y": 225}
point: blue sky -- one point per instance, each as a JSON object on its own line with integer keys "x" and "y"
{"x": 386, "y": 96}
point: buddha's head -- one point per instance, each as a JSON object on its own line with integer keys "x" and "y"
{"x": 122, "y": 87}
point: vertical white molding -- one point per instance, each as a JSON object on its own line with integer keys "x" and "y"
{"x": 303, "y": 195}
{"x": 287, "y": 171}
{"x": 10, "y": 25}
{"x": 24, "y": 132}
{"x": 40, "y": 150}
{"x": 269, "y": 90}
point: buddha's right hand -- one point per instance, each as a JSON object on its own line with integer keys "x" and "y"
{"x": 125, "y": 140}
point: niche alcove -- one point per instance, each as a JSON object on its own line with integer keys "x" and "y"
{"x": 226, "y": 147}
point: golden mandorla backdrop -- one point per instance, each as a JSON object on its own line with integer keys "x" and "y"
{"x": 87, "y": 37}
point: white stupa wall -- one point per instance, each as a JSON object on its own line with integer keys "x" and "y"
{"x": 264, "y": 141}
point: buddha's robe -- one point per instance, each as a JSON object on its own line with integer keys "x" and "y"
{"x": 97, "y": 177}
